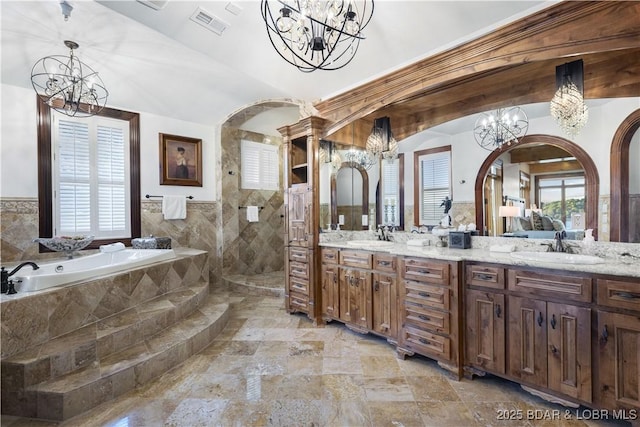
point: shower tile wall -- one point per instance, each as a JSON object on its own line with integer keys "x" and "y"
{"x": 249, "y": 247}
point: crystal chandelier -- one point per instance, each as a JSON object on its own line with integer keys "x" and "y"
{"x": 504, "y": 126}
{"x": 315, "y": 34}
{"x": 381, "y": 143}
{"x": 68, "y": 85}
{"x": 567, "y": 105}
{"x": 361, "y": 158}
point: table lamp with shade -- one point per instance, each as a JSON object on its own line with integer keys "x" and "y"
{"x": 509, "y": 212}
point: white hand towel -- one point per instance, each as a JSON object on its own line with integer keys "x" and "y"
{"x": 174, "y": 207}
{"x": 252, "y": 213}
{"x": 113, "y": 247}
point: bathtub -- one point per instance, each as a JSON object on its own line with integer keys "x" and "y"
{"x": 69, "y": 271}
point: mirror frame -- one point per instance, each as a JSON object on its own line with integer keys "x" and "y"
{"x": 619, "y": 179}
{"x": 334, "y": 193}
{"x": 591, "y": 178}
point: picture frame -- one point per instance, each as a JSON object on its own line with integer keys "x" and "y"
{"x": 180, "y": 160}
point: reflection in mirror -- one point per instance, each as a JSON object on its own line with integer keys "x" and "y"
{"x": 556, "y": 201}
{"x": 634, "y": 188}
{"x": 350, "y": 197}
{"x": 391, "y": 198}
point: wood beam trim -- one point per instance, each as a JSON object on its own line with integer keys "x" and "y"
{"x": 590, "y": 32}
{"x": 564, "y": 166}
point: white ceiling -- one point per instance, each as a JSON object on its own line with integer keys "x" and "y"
{"x": 161, "y": 62}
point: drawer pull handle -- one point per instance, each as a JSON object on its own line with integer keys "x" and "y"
{"x": 604, "y": 337}
{"x": 553, "y": 321}
{"x": 485, "y": 277}
{"x": 424, "y": 271}
{"x": 424, "y": 341}
{"x": 498, "y": 311}
{"x": 423, "y": 317}
{"x": 385, "y": 263}
{"x": 626, "y": 295}
{"x": 540, "y": 319}
{"x": 424, "y": 294}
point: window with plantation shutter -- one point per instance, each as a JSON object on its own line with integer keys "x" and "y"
{"x": 91, "y": 177}
{"x": 434, "y": 185}
{"x": 391, "y": 191}
{"x": 260, "y": 166}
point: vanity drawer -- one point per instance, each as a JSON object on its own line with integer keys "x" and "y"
{"x": 485, "y": 276}
{"x": 425, "y": 318}
{"x": 356, "y": 259}
{"x": 426, "y": 295}
{"x": 425, "y": 270}
{"x": 299, "y": 269}
{"x": 330, "y": 256}
{"x": 619, "y": 294}
{"x": 426, "y": 343}
{"x": 384, "y": 262}
{"x": 298, "y": 254}
{"x": 551, "y": 285}
{"x": 299, "y": 286}
{"x": 298, "y": 301}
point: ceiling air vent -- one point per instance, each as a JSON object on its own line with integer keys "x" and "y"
{"x": 209, "y": 21}
{"x": 154, "y": 4}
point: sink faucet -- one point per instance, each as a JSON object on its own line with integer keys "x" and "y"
{"x": 381, "y": 232}
{"x": 559, "y": 246}
{"x": 6, "y": 284}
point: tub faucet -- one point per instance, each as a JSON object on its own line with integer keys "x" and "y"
{"x": 6, "y": 284}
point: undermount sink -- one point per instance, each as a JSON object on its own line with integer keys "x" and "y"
{"x": 558, "y": 257}
{"x": 370, "y": 244}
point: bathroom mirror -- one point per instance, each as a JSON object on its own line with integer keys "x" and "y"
{"x": 548, "y": 175}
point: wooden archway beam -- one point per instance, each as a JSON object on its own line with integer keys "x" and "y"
{"x": 564, "y": 30}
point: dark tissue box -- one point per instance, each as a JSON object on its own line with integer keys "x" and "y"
{"x": 460, "y": 239}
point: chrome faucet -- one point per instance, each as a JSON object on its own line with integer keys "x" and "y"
{"x": 6, "y": 284}
{"x": 560, "y": 236}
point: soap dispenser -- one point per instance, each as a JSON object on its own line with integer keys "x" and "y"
{"x": 588, "y": 237}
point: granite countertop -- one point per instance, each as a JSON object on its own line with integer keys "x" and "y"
{"x": 625, "y": 266}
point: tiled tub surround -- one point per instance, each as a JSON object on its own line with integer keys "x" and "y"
{"x": 621, "y": 259}
{"x": 68, "y": 349}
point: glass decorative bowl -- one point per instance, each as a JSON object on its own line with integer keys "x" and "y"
{"x": 66, "y": 244}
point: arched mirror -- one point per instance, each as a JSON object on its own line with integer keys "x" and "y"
{"x": 350, "y": 197}
{"x": 625, "y": 181}
{"x": 543, "y": 176}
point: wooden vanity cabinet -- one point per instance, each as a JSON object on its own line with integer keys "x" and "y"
{"x": 485, "y": 311}
{"x": 429, "y": 309}
{"x": 617, "y": 344}
{"x": 549, "y": 338}
{"x": 384, "y": 296}
{"x": 330, "y": 291}
{"x": 355, "y": 290}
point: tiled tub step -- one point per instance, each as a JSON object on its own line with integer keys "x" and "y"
{"x": 266, "y": 284}
{"x": 84, "y": 346}
{"x": 110, "y": 375}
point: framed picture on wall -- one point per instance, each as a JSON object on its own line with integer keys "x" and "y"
{"x": 180, "y": 160}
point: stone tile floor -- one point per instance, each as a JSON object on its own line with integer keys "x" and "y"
{"x": 270, "y": 368}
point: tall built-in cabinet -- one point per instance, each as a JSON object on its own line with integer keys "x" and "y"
{"x": 302, "y": 141}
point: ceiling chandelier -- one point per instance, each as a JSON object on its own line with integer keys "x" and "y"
{"x": 68, "y": 85}
{"x": 381, "y": 143}
{"x": 504, "y": 126}
{"x": 315, "y": 34}
{"x": 361, "y": 158}
{"x": 567, "y": 105}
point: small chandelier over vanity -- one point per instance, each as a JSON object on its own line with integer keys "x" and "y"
{"x": 316, "y": 34}
{"x": 381, "y": 143}
{"x": 567, "y": 105}
{"x": 505, "y": 126}
{"x": 68, "y": 85}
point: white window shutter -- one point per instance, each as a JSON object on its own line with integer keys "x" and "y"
{"x": 435, "y": 170}
{"x": 260, "y": 166}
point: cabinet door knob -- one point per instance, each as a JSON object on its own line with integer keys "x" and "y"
{"x": 377, "y": 286}
{"x": 498, "y": 311}
{"x": 540, "y": 319}
{"x": 554, "y": 350}
{"x": 553, "y": 321}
